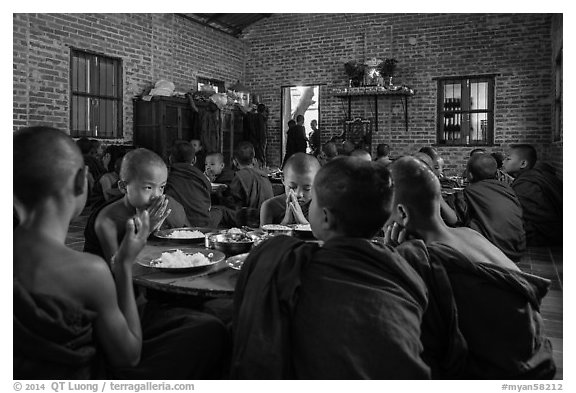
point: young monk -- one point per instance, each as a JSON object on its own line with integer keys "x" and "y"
{"x": 249, "y": 188}
{"x": 143, "y": 176}
{"x": 199, "y": 153}
{"x": 483, "y": 320}
{"x": 347, "y": 310}
{"x": 328, "y": 153}
{"x": 292, "y": 207}
{"x": 74, "y": 318}
{"x": 216, "y": 171}
{"x": 188, "y": 185}
{"x": 492, "y": 207}
{"x": 540, "y": 194}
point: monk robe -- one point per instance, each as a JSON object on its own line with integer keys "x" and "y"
{"x": 220, "y": 195}
{"x": 493, "y": 209}
{"x": 189, "y": 186}
{"x": 347, "y": 310}
{"x": 540, "y": 194}
{"x": 277, "y": 208}
{"x": 483, "y": 321}
{"x": 54, "y": 339}
{"x": 248, "y": 190}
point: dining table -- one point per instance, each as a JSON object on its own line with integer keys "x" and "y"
{"x": 217, "y": 280}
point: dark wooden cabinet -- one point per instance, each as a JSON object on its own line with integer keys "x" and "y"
{"x": 161, "y": 121}
{"x": 231, "y": 132}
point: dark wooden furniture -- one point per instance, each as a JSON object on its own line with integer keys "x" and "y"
{"x": 231, "y": 132}
{"x": 161, "y": 121}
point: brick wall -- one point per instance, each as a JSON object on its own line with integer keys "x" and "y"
{"x": 151, "y": 46}
{"x": 293, "y": 49}
{"x": 299, "y": 49}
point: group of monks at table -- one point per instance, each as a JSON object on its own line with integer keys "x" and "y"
{"x": 401, "y": 284}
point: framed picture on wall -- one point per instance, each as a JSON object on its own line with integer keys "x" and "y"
{"x": 207, "y": 84}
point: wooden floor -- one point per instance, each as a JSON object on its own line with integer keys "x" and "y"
{"x": 542, "y": 261}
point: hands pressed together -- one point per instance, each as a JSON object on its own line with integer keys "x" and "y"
{"x": 395, "y": 234}
{"x": 293, "y": 214}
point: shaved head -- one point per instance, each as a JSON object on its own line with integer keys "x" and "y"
{"x": 135, "y": 160}
{"x": 482, "y": 167}
{"x": 362, "y": 154}
{"x": 330, "y": 149}
{"x": 526, "y": 152}
{"x": 415, "y": 186}
{"x": 45, "y": 159}
{"x": 425, "y": 158}
{"x": 218, "y": 156}
{"x": 244, "y": 153}
{"x": 301, "y": 163}
{"x": 357, "y": 192}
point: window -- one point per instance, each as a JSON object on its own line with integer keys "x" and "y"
{"x": 95, "y": 96}
{"x": 466, "y": 110}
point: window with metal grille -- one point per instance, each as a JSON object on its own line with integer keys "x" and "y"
{"x": 95, "y": 95}
{"x": 466, "y": 110}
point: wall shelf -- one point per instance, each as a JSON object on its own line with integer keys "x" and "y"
{"x": 402, "y": 92}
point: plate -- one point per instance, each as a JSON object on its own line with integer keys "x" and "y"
{"x": 164, "y": 234}
{"x": 303, "y": 231}
{"x": 214, "y": 256}
{"x": 237, "y": 261}
{"x": 217, "y": 186}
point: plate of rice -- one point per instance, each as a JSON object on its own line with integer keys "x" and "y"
{"x": 183, "y": 260}
{"x": 183, "y": 235}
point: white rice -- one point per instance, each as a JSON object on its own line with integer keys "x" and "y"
{"x": 185, "y": 234}
{"x": 303, "y": 227}
{"x": 275, "y": 227}
{"x": 180, "y": 259}
{"x": 235, "y": 231}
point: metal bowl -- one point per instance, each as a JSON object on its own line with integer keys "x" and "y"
{"x": 274, "y": 229}
{"x": 228, "y": 244}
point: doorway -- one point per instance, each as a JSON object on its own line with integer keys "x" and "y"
{"x": 300, "y": 100}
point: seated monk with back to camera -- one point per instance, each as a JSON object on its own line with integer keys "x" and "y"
{"x": 492, "y": 208}
{"x": 483, "y": 319}
{"x": 292, "y": 207}
{"x": 75, "y": 317}
{"x": 540, "y": 194}
{"x": 350, "y": 309}
{"x": 189, "y": 186}
{"x": 249, "y": 188}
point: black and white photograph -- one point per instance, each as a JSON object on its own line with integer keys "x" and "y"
{"x": 204, "y": 198}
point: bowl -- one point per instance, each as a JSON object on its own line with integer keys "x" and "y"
{"x": 228, "y": 244}
{"x": 166, "y": 235}
{"x": 303, "y": 231}
{"x": 275, "y": 229}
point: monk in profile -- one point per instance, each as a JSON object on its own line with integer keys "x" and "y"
{"x": 483, "y": 320}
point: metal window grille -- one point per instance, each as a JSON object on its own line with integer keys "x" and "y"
{"x": 95, "y": 95}
{"x": 466, "y": 111}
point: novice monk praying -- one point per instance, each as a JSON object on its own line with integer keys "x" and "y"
{"x": 483, "y": 319}
{"x": 292, "y": 206}
{"x": 540, "y": 194}
{"x": 143, "y": 177}
{"x": 73, "y": 316}
{"x": 492, "y": 207}
{"x": 348, "y": 310}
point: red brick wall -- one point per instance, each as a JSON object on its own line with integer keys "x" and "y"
{"x": 151, "y": 46}
{"x": 292, "y": 49}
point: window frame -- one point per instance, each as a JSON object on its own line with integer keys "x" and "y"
{"x": 465, "y": 111}
{"x": 92, "y": 72}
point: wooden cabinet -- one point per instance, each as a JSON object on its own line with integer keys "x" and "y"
{"x": 231, "y": 133}
{"x": 161, "y": 121}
